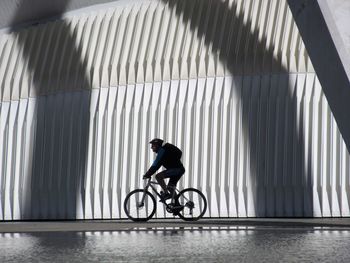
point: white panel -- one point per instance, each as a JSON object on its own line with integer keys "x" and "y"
{"x": 215, "y": 174}
{"x": 151, "y": 22}
{"x": 316, "y": 151}
{"x": 307, "y": 151}
{"x": 234, "y": 144}
{"x": 145, "y": 126}
{"x": 163, "y": 123}
{"x": 117, "y": 165}
{"x": 6, "y": 62}
{"x": 108, "y": 156}
{"x": 325, "y": 170}
{"x": 18, "y": 174}
{"x": 90, "y": 172}
{"x": 3, "y": 59}
{"x": 91, "y": 40}
{"x": 53, "y": 166}
{"x": 76, "y": 157}
{"x": 144, "y": 133}
{"x": 65, "y": 173}
{"x": 275, "y": 120}
{"x": 82, "y": 137}
{"x": 135, "y": 171}
{"x": 335, "y": 169}
{"x": 109, "y": 48}
{"x": 174, "y": 87}
{"x": 206, "y": 151}
{"x": 252, "y": 145}
{"x": 264, "y": 149}
{"x": 157, "y": 45}
{"x": 180, "y": 114}
{"x": 117, "y": 47}
{"x": 344, "y": 183}
{"x": 154, "y": 126}
{"x": 127, "y": 142}
{"x": 10, "y": 160}
{"x": 298, "y": 143}
{"x": 103, "y": 21}
{"x": 224, "y": 161}
{"x": 99, "y": 160}
{"x": 187, "y": 159}
{"x": 198, "y": 135}
{"x": 165, "y": 92}
{"x": 239, "y": 146}
{"x": 4, "y": 115}
{"x": 125, "y": 49}
{"x": 29, "y": 130}
{"x": 243, "y": 147}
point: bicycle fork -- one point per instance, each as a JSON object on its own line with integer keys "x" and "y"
{"x": 142, "y": 201}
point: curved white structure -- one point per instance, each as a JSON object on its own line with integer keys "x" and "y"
{"x": 229, "y": 82}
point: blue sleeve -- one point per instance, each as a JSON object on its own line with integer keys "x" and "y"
{"x": 158, "y": 161}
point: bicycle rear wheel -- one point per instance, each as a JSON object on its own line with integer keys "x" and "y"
{"x": 193, "y": 202}
{"x": 140, "y": 205}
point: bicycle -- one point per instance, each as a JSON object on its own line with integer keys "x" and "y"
{"x": 140, "y": 204}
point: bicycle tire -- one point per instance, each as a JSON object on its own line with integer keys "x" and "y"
{"x": 131, "y": 197}
{"x": 182, "y": 200}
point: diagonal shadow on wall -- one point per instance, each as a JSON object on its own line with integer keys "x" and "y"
{"x": 272, "y": 165}
{"x": 61, "y": 118}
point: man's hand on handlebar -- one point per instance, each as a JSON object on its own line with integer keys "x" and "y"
{"x": 147, "y": 176}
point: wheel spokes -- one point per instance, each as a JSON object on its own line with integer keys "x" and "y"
{"x": 193, "y": 203}
{"x": 139, "y": 205}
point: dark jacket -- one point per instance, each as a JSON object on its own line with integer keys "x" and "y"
{"x": 168, "y": 156}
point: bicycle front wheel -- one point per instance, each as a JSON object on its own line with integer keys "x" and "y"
{"x": 140, "y": 205}
{"x": 193, "y": 204}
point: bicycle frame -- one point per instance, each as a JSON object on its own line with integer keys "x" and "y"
{"x": 152, "y": 185}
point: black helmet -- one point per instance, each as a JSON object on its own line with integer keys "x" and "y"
{"x": 157, "y": 141}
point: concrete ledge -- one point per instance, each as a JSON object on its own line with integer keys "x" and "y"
{"x": 176, "y": 224}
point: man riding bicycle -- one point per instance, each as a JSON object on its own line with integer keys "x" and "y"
{"x": 189, "y": 204}
{"x": 168, "y": 156}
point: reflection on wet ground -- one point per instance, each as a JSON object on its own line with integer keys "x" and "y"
{"x": 176, "y": 245}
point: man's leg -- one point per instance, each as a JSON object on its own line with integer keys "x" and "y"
{"x": 177, "y": 174}
{"x": 173, "y": 182}
{"x": 173, "y": 174}
{"x": 160, "y": 179}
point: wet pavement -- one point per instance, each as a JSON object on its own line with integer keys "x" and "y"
{"x": 210, "y": 240}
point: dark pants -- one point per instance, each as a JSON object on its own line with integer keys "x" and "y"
{"x": 174, "y": 175}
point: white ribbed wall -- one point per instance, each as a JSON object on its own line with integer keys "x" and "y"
{"x": 234, "y": 88}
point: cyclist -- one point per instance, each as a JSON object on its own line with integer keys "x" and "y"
{"x": 168, "y": 156}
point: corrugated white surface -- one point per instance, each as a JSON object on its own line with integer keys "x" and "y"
{"x": 150, "y": 42}
{"x": 229, "y": 82}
